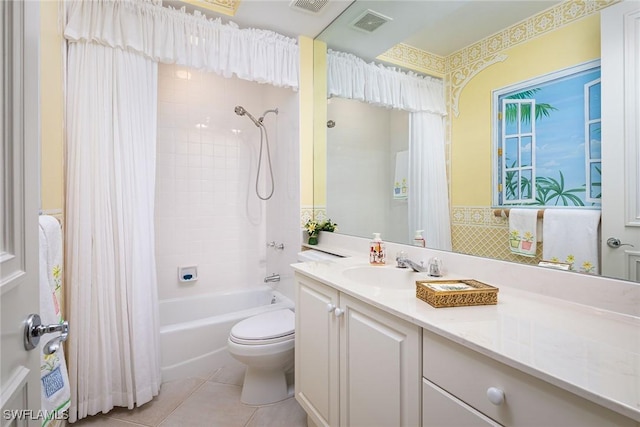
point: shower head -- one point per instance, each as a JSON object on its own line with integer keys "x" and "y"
{"x": 261, "y": 119}
{"x": 242, "y": 112}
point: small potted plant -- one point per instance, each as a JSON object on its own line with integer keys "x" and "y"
{"x": 313, "y": 229}
{"x": 329, "y": 225}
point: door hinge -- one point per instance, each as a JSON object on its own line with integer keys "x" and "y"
{"x": 500, "y": 188}
{"x": 500, "y": 152}
{"x": 500, "y": 115}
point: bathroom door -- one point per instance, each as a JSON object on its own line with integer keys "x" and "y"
{"x": 19, "y": 201}
{"x": 620, "y": 29}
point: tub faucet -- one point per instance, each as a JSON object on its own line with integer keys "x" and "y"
{"x": 404, "y": 262}
{"x": 275, "y": 277}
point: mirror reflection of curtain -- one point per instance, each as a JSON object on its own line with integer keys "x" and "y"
{"x": 428, "y": 191}
{"x": 351, "y": 77}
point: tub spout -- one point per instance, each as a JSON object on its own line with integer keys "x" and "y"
{"x": 272, "y": 278}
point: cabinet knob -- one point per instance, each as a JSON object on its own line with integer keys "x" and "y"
{"x": 330, "y": 307}
{"x": 495, "y": 395}
{"x": 338, "y": 312}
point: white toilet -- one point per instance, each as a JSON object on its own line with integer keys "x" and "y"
{"x": 265, "y": 344}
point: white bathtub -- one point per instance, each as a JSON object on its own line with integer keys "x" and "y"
{"x": 194, "y": 330}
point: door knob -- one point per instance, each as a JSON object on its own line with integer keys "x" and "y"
{"x": 338, "y": 312}
{"x": 34, "y": 329}
{"x": 614, "y": 243}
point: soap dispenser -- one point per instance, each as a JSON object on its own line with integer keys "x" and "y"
{"x": 418, "y": 240}
{"x": 377, "y": 252}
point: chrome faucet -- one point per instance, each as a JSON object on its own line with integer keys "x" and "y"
{"x": 404, "y": 262}
{"x": 275, "y": 277}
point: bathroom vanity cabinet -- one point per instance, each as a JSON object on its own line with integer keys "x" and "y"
{"x": 355, "y": 365}
{"x": 457, "y": 380}
{"x": 368, "y": 354}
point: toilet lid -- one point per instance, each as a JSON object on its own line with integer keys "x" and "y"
{"x": 265, "y": 326}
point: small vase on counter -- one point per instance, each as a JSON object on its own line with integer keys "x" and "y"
{"x": 313, "y": 239}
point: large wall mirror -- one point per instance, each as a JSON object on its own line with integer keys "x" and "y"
{"x": 480, "y": 49}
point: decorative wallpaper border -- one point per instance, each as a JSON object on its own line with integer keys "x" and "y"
{"x": 548, "y": 20}
{"x": 309, "y": 212}
{"x": 484, "y": 50}
{"x": 415, "y": 59}
{"x": 476, "y": 216}
{"x": 227, "y": 7}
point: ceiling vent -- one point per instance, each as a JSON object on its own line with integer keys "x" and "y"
{"x": 369, "y": 21}
{"x": 308, "y": 6}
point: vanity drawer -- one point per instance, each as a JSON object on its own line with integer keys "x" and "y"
{"x": 440, "y": 409}
{"x": 527, "y": 401}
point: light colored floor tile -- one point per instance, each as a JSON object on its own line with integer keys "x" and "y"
{"x": 230, "y": 374}
{"x": 286, "y": 413}
{"x": 102, "y": 421}
{"x": 213, "y": 404}
{"x": 172, "y": 394}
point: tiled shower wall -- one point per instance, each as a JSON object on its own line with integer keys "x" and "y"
{"x": 361, "y": 169}
{"x": 207, "y": 212}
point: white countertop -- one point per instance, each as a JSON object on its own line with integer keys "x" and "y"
{"x": 588, "y": 351}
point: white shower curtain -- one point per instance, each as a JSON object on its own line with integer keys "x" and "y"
{"x": 111, "y": 271}
{"x": 428, "y": 190}
{"x": 428, "y": 201}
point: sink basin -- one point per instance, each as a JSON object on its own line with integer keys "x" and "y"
{"x": 384, "y": 276}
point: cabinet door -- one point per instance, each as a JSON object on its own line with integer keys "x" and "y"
{"x": 380, "y": 359}
{"x": 440, "y": 409}
{"x": 316, "y": 351}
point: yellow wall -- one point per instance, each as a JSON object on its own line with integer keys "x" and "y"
{"x": 320, "y": 124}
{"x": 51, "y": 109}
{"x": 471, "y": 132}
{"x": 306, "y": 122}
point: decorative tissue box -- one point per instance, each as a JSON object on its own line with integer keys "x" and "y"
{"x": 456, "y": 293}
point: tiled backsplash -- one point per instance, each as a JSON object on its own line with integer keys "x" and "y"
{"x": 207, "y": 212}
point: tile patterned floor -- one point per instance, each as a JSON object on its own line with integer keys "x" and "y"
{"x": 202, "y": 402}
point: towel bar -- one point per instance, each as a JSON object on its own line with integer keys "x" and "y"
{"x": 505, "y": 212}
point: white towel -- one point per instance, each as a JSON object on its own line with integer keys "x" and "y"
{"x": 56, "y": 394}
{"x": 523, "y": 237}
{"x": 400, "y": 180}
{"x": 571, "y": 236}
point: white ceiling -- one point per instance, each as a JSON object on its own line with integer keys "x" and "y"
{"x": 436, "y": 26}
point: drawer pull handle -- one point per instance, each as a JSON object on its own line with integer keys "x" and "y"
{"x": 330, "y": 307}
{"x": 495, "y": 395}
{"x": 338, "y": 312}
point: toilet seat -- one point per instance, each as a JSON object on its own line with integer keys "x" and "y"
{"x": 266, "y": 328}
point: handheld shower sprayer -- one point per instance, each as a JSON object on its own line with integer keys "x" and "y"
{"x": 242, "y": 112}
{"x": 264, "y": 137}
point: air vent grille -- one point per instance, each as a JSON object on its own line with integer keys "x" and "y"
{"x": 369, "y": 21}
{"x": 309, "y": 6}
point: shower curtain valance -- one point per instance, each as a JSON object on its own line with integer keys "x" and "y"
{"x": 351, "y": 77}
{"x": 174, "y": 36}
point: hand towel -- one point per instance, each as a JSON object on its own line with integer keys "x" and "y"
{"x": 56, "y": 393}
{"x": 522, "y": 231}
{"x": 571, "y": 236}
{"x": 400, "y": 181}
